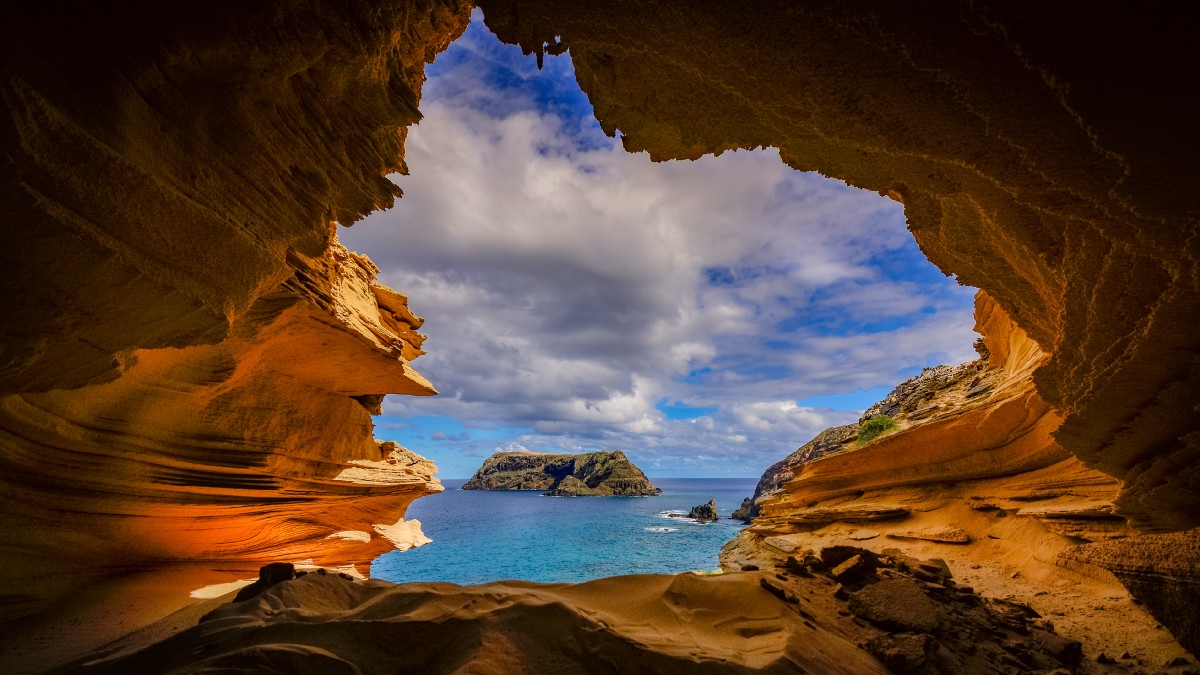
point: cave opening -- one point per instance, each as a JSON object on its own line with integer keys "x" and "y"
{"x": 705, "y": 317}
{"x": 173, "y": 278}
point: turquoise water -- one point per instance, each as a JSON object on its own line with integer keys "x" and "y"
{"x": 480, "y": 536}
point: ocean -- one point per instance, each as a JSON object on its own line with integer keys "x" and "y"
{"x": 481, "y": 536}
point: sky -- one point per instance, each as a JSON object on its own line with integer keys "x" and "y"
{"x": 706, "y": 317}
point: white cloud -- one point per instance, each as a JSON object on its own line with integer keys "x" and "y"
{"x": 570, "y": 287}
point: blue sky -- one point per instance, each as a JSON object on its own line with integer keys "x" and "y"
{"x": 705, "y": 317}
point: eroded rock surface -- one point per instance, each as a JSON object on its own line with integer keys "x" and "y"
{"x": 972, "y": 474}
{"x": 589, "y": 474}
{"x": 190, "y": 359}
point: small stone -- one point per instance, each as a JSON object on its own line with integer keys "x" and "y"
{"x": 1105, "y": 659}
{"x": 832, "y": 556}
{"x": 1068, "y": 652}
{"x": 905, "y": 652}
{"x": 268, "y": 576}
{"x": 781, "y": 593}
{"x": 850, "y": 571}
{"x": 796, "y": 567}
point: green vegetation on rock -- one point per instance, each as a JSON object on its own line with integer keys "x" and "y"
{"x": 875, "y": 427}
{"x": 590, "y": 474}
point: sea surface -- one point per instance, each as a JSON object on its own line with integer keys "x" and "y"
{"x": 480, "y": 536}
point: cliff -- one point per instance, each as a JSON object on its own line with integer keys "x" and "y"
{"x": 590, "y": 474}
{"x": 971, "y": 475}
{"x": 936, "y": 391}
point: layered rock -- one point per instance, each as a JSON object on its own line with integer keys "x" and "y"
{"x": 211, "y": 452}
{"x": 940, "y": 391}
{"x": 829, "y": 441}
{"x": 972, "y": 474}
{"x": 191, "y": 360}
{"x": 589, "y": 474}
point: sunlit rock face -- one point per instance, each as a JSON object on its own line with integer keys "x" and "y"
{"x": 973, "y": 475}
{"x": 190, "y": 360}
{"x": 250, "y": 449}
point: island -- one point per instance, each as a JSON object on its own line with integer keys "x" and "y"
{"x": 589, "y": 474}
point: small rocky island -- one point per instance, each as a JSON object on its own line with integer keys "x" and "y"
{"x": 705, "y": 513}
{"x": 590, "y": 474}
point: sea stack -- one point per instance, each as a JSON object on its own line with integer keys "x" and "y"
{"x": 705, "y": 513}
{"x": 590, "y": 474}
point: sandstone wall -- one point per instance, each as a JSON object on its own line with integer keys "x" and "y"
{"x": 190, "y": 360}
{"x": 973, "y": 475}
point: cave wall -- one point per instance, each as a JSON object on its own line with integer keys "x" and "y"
{"x": 1043, "y": 154}
{"x": 171, "y": 174}
{"x": 190, "y": 359}
{"x": 163, "y": 161}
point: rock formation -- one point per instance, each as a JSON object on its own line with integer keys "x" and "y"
{"x": 971, "y": 475}
{"x": 172, "y": 173}
{"x": 705, "y": 513}
{"x": 589, "y": 474}
{"x": 210, "y": 452}
{"x": 829, "y": 441}
{"x": 190, "y": 359}
{"x": 941, "y": 388}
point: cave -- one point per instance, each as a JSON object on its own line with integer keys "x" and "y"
{"x": 179, "y": 312}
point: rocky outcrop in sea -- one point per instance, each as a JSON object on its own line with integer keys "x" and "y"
{"x": 705, "y": 513}
{"x": 590, "y": 474}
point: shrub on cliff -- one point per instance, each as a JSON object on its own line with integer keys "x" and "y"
{"x": 875, "y": 427}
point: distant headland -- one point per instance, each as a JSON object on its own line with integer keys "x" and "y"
{"x": 589, "y": 474}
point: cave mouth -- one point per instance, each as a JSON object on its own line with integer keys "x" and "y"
{"x": 1044, "y": 163}
{"x": 707, "y": 317}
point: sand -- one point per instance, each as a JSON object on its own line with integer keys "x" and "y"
{"x": 327, "y": 623}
